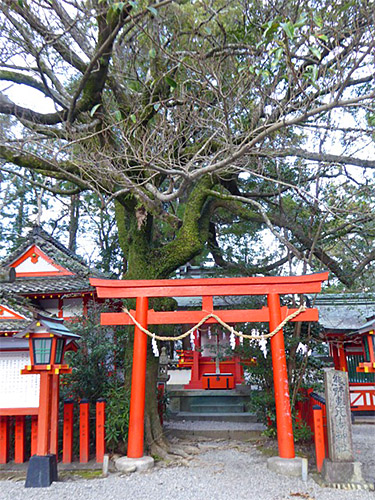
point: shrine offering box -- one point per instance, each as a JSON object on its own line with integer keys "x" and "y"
{"x": 218, "y": 381}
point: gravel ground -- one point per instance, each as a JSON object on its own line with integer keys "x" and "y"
{"x": 221, "y": 470}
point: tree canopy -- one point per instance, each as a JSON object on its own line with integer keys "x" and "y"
{"x": 205, "y": 123}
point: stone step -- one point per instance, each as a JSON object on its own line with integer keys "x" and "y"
{"x": 214, "y": 430}
{"x": 213, "y": 417}
{"x": 217, "y": 408}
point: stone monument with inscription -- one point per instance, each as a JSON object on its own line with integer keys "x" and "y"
{"x": 340, "y": 467}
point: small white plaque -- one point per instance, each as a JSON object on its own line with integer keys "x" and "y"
{"x": 16, "y": 390}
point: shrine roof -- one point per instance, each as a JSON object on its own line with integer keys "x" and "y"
{"x": 76, "y": 279}
{"x": 55, "y": 250}
{"x": 14, "y": 316}
{"x": 344, "y": 312}
{"x": 13, "y": 325}
{"x": 48, "y": 285}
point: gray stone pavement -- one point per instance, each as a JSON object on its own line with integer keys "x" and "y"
{"x": 216, "y": 469}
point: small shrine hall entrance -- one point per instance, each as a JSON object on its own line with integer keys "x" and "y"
{"x": 274, "y": 314}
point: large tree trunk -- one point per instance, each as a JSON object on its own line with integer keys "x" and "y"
{"x": 145, "y": 261}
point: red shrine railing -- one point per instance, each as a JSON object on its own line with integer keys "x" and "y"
{"x": 22, "y": 430}
{"x": 312, "y": 411}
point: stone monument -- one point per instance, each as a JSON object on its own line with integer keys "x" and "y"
{"x": 340, "y": 468}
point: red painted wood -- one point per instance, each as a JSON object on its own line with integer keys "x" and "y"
{"x": 100, "y": 430}
{"x": 4, "y": 439}
{"x": 34, "y": 435}
{"x": 67, "y": 456}
{"x": 191, "y": 317}
{"x": 218, "y": 381}
{"x": 267, "y": 280}
{"x": 207, "y": 365}
{"x": 208, "y": 304}
{"x": 335, "y": 355}
{"x": 44, "y": 414}
{"x": 10, "y": 412}
{"x": 203, "y": 290}
{"x": 55, "y": 393}
{"x": 195, "y": 380}
{"x": 280, "y": 380}
{"x": 84, "y": 431}
{"x": 137, "y": 397}
{"x": 320, "y": 451}
{"x": 342, "y": 359}
{"x": 60, "y": 271}
{"x": 19, "y": 439}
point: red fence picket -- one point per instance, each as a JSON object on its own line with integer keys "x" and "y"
{"x": 100, "y": 430}
{"x": 320, "y": 448}
{"x": 4, "y": 440}
{"x": 19, "y": 439}
{"x": 14, "y": 429}
{"x": 84, "y": 431}
{"x": 67, "y": 457}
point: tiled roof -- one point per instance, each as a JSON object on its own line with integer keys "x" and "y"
{"x": 346, "y": 311}
{"x": 13, "y": 325}
{"x": 46, "y": 285}
{"x": 56, "y": 251}
{"x": 78, "y": 282}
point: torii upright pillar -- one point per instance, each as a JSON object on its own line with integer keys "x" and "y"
{"x": 280, "y": 381}
{"x": 138, "y": 389}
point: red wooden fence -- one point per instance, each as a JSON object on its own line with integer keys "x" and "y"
{"x": 25, "y": 436}
{"x": 312, "y": 410}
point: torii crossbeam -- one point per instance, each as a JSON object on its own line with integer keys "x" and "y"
{"x": 274, "y": 314}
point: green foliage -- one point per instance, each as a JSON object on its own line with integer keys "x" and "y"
{"x": 305, "y": 372}
{"x": 98, "y": 372}
{"x": 301, "y": 432}
{"x": 94, "y": 365}
{"x": 117, "y": 415}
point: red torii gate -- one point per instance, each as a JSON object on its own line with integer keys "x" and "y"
{"x": 274, "y": 314}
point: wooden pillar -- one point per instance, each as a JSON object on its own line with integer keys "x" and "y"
{"x": 4, "y": 439}
{"x": 335, "y": 355}
{"x": 342, "y": 359}
{"x": 320, "y": 451}
{"x": 55, "y": 393}
{"x": 280, "y": 380}
{"x": 34, "y": 435}
{"x": 19, "y": 439}
{"x": 44, "y": 414}
{"x": 84, "y": 431}
{"x": 67, "y": 456}
{"x": 100, "y": 430}
{"x": 137, "y": 397}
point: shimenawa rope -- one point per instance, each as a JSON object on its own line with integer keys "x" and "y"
{"x": 222, "y": 323}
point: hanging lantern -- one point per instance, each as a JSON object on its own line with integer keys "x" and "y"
{"x": 48, "y": 342}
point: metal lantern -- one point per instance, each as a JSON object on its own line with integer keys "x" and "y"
{"x": 48, "y": 342}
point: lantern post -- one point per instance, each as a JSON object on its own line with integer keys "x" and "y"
{"x": 48, "y": 338}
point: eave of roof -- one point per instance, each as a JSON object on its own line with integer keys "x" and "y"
{"x": 48, "y": 285}
{"x": 56, "y": 251}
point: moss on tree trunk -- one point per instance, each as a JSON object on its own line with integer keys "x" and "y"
{"x": 147, "y": 260}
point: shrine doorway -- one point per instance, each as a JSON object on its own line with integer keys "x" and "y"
{"x": 274, "y": 314}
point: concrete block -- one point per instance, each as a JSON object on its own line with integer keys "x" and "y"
{"x": 286, "y": 466}
{"x": 342, "y": 472}
{"x": 126, "y": 464}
